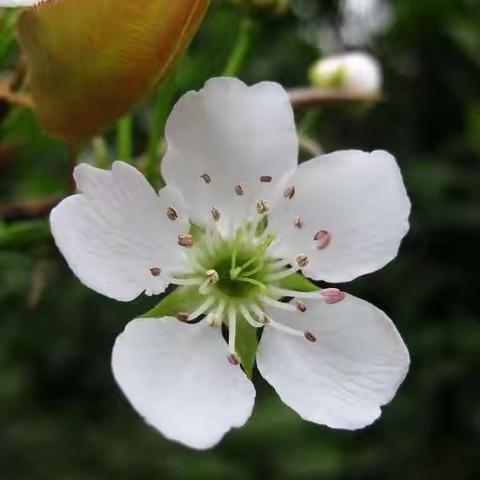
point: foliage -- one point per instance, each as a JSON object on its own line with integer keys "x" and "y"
{"x": 61, "y": 414}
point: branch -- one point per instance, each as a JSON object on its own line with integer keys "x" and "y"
{"x": 29, "y": 210}
{"x": 311, "y": 97}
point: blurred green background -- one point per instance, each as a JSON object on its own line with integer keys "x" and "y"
{"x": 61, "y": 415}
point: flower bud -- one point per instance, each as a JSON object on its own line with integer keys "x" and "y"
{"x": 90, "y": 62}
{"x": 355, "y": 73}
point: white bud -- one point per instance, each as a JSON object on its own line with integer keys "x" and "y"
{"x": 356, "y": 73}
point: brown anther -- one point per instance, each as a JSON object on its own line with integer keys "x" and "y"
{"x": 298, "y": 222}
{"x": 185, "y": 240}
{"x": 182, "y": 316}
{"x": 172, "y": 213}
{"x": 300, "y": 306}
{"x": 265, "y": 320}
{"x": 206, "y": 178}
{"x": 213, "y": 320}
{"x": 310, "y": 337}
{"x": 262, "y": 207}
{"x": 289, "y": 192}
{"x": 233, "y": 359}
{"x": 265, "y": 179}
{"x": 322, "y": 238}
{"x": 212, "y": 277}
{"x": 215, "y": 214}
{"x": 155, "y": 271}
{"x": 302, "y": 261}
{"x": 239, "y": 190}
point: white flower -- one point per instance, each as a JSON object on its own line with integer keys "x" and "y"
{"x": 18, "y": 3}
{"x": 231, "y": 169}
{"x": 356, "y": 73}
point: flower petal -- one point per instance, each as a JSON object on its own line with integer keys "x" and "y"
{"x": 230, "y": 146}
{"x": 356, "y": 207}
{"x": 115, "y": 234}
{"x": 178, "y": 378}
{"x": 355, "y": 366}
{"x": 18, "y": 3}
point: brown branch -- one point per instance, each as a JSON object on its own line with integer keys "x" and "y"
{"x": 29, "y": 210}
{"x": 311, "y": 97}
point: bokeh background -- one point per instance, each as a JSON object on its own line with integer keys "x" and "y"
{"x": 61, "y": 415}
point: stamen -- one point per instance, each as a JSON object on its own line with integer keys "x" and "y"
{"x": 185, "y": 240}
{"x": 239, "y": 190}
{"x": 186, "y": 281}
{"x": 171, "y": 213}
{"x": 281, "y": 274}
{"x": 283, "y": 292}
{"x": 268, "y": 321}
{"x": 322, "y": 239}
{"x": 213, "y": 320}
{"x": 266, "y": 179}
{"x": 215, "y": 214}
{"x": 302, "y": 261}
{"x": 155, "y": 271}
{"x": 289, "y": 192}
{"x": 206, "y": 178}
{"x": 332, "y": 295}
{"x": 232, "y": 332}
{"x": 300, "y": 306}
{"x": 202, "y": 308}
{"x": 277, "y": 304}
{"x": 248, "y": 317}
{"x": 233, "y": 359}
{"x": 262, "y": 207}
{"x": 298, "y": 222}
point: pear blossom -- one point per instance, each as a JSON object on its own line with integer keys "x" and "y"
{"x": 238, "y": 229}
{"x": 357, "y": 73}
{"x": 18, "y": 3}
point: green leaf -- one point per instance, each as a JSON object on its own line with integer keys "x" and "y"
{"x": 182, "y": 299}
{"x": 299, "y": 283}
{"x": 246, "y": 345}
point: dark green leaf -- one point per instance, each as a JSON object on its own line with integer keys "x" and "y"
{"x": 246, "y": 345}
{"x": 298, "y": 283}
{"x": 183, "y": 299}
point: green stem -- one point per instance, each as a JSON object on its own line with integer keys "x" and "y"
{"x": 161, "y": 107}
{"x": 240, "y": 50}
{"x": 125, "y": 139}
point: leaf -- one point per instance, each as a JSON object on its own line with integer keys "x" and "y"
{"x": 299, "y": 283}
{"x": 182, "y": 299}
{"x": 91, "y": 61}
{"x": 246, "y": 345}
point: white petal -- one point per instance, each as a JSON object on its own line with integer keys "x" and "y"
{"x": 116, "y": 230}
{"x": 236, "y": 135}
{"x": 178, "y": 378}
{"x": 355, "y": 366}
{"x": 359, "y": 199}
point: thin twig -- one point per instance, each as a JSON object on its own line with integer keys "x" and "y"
{"x": 312, "y": 97}
{"x": 29, "y": 210}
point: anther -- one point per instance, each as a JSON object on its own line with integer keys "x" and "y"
{"x": 289, "y": 192}
{"x": 298, "y": 222}
{"x": 300, "y": 306}
{"x": 182, "y": 316}
{"x": 265, "y": 179}
{"x": 172, "y": 213}
{"x": 213, "y": 320}
{"x": 212, "y": 277}
{"x": 310, "y": 337}
{"x": 185, "y": 240}
{"x": 215, "y": 214}
{"x": 322, "y": 238}
{"x": 239, "y": 190}
{"x": 233, "y": 359}
{"x": 206, "y": 178}
{"x": 302, "y": 261}
{"x": 332, "y": 295}
{"x": 155, "y": 271}
{"x": 262, "y": 207}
